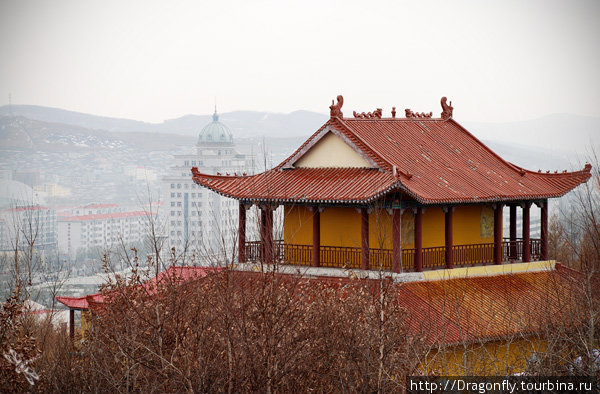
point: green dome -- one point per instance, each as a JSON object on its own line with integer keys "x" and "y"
{"x": 215, "y": 132}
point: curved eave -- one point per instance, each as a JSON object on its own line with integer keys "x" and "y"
{"x": 76, "y": 303}
{"x": 223, "y": 184}
{"x": 370, "y": 185}
{"x": 573, "y": 179}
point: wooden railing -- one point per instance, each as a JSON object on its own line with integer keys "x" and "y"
{"x": 433, "y": 257}
{"x": 513, "y": 250}
{"x": 474, "y": 254}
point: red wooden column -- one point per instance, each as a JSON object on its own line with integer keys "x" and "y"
{"x": 513, "y": 232}
{"x": 266, "y": 214}
{"x": 364, "y": 235}
{"x": 449, "y": 236}
{"x": 269, "y": 237}
{"x": 418, "y": 239}
{"x": 544, "y": 228}
{"x": 498, "y": 234}
{"x": 526, "y": 238}
{"x": 72, "y": 323}
{"x": 263, "y": 222}
{"x": 316, "y": 247}
{"x": 242, "y": 233}
{"x": 397, "y": 240}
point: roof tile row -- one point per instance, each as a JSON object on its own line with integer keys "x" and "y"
{"x": 432, "y": 160}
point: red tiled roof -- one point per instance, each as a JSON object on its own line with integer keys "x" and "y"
{"x": 489, "y": 307}
{"x": 452, "y": 311}
{"x": 432, "y": 160}
{"x": 303, "y": 185}
{"x": 182, "y": 274}
{"x": 75, "y": 302}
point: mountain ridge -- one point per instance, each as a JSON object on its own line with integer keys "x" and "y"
{"x": 242, "y": 123}
{"x": 561, "y": 135}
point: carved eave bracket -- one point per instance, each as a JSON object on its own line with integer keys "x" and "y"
{"x": 446, "y": 109}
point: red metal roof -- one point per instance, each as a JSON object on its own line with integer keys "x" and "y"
{"x": 452, "y": 311}
{"x": 182, "y": 274}
{"x": 490, "y": 307}
{"x": 303, "y": 185}
{"x": 75, "y": 302}
{"x": 433, "y": 160}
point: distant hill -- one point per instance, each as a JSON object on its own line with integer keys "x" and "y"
{"x": 552, "y": 142}
{"x": 250, "y": 123}
{"x": 57, "y": 115}
{"x": 557, "y": 132}
{"x": 20, "y": 133}
{"x": 536, "y": 158}
{"x": 242, "y": 123}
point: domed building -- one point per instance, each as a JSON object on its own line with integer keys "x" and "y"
{"x": 198, "y": 219}
{"x": 215, "y": 134}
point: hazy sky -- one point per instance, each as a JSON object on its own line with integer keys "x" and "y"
{"x": 151, "y": 60}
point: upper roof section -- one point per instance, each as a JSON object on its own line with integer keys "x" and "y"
{"x": 434, "y": 160}
{"x": 215, "y": 133}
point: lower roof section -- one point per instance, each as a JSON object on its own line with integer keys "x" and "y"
{"x": 303, "y": 185}
{"x": 513, "y": 302}
{"x": 173, "y": 273}
{"x": 364, "y": 185}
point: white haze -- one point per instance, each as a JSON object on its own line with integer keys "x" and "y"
{"x": 153, "y": 60}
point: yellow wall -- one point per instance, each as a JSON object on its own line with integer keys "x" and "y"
{"x": 86, "y": 323}
{"x": 297, "y": 226}
{"x": 467, "y": 227}
{"x": 498, "y": 358}
{"x": 340, "y": 226}
{"x": 380, "y": 229}
{"x": 433, "y": 227}
{"x": 331, "y": 151}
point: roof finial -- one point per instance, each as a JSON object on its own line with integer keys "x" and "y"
{"x": 446, "y": 109}
{"x": 336, "y": 109}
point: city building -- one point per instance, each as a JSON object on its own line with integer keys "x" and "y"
{"x": 398, "y": 194}
{"x": 99, "y": 226}
{"x": 17, "y": 194}
{"x": 28, "y": 225}
{"x": 53, "y": 190}
{"x": 196, "y": 218}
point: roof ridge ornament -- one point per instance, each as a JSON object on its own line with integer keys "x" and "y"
{"x": 410, "y": 114}
{"x": 336, "y": 109}
{"x": 369, "y": 115}
{"x": 446, "y": 109}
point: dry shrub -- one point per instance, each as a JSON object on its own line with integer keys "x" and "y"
{"x": 244, "y": 332}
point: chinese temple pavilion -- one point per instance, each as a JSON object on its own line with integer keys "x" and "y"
{"x": 398, "y": 193}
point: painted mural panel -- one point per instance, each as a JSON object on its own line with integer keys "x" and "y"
{"x": 487, "y": 222}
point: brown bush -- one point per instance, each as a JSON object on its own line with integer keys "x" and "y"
{"x": 241, "y": 332}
